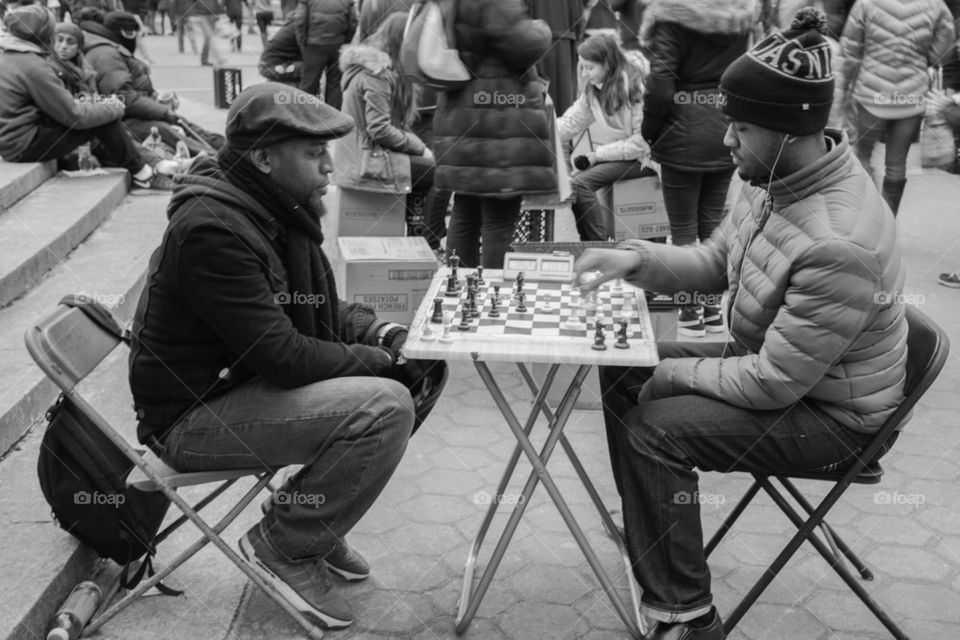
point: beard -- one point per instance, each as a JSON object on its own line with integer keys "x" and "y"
{"x": 315, "y": 205}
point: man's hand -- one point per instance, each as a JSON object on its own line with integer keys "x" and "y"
{"x": 610, "y": 263}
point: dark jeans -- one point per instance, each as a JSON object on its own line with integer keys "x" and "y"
{"x": 897, "y": 135}
{"x": 654, "y": 449}
{"x": 52, "y": 141}
{"x": 435, "y": 203}
{"x": 593, "y": 216}
{"x": 694, "y": 201}
{"x": 349, "y": 433}
{"x": 317, "y": 61}
{"x": 482, "y": 218}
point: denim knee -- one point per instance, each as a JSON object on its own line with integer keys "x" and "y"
{"x": 390, "y": 401}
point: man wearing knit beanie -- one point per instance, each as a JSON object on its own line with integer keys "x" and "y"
{"x": 809, "y": 268}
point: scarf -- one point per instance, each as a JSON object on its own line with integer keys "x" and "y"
{"x": 312, "y": 297}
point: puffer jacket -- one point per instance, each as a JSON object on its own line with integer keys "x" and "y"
{"x": 325, "y": 22}
{"x": 888, "y": 45}
{"x": 118, "y": 72}
{"x": 690, "y": 44}
{"x": 814, "y": 274}
{"x": 30, "y": 90}
{"x": 369, "y": 82}
{"x": 492, "y": 138}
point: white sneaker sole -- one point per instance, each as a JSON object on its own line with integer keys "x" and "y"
{"x": 325, "y": 620}
{"x": 714, "y": 328}
{"x": 691, "y": 333}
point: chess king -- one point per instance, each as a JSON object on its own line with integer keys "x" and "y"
{"x": 816, "y": 358}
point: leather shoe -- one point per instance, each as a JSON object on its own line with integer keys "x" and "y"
{"x": 683, "y": 631}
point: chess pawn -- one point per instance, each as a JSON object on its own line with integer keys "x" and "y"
{"x": 427, "y": 334}
{"x": 599, "y": 340}
{"x": 447, "y": 321}
{"x": 621, "y": 342}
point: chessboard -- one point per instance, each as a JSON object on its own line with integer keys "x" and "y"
{"x": 555, "y": 324}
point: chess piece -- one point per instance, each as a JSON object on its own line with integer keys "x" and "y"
{"x": 447, "y": 321}
{"x": 427, "y": 334}
{"x": 464, "y": 318}
{"x": 454, "y": 264}
{"x": 437, "y": 317}
{"x": 547, "y": 307}
{"x": 622, "y": 336}
{"x": 617, "y": 286}
{"x": 494, "y": 301}
{"x": 480, "y": 280}
{"x": 521, "y": 307}
{"x": 452, "y": 291}
{"x": 520, "y": 282}
{"x": 599, "y": 339}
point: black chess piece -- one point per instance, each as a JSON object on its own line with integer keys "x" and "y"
{"x": 452, "y": 290}
{"x": 520, "y": 282}
{"x": 494, "y": 301}
{"x": 521, "y": 307}
{"x": 437, "y": 317}
{"x": 480, "y": 280}
{"x": 454, "y": 265}
{"x": 621, "y": 342}
{"x": 599, "y": 340}
{"x": 464, "y": 318}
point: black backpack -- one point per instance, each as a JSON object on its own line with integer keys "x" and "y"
{"x": 83, "y": 478}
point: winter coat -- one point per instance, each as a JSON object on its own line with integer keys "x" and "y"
{"x": 30, "y": 91}
{"x": 209, "y": 304}
{"x": 888, "y": 45}
{"x": 601, "y": 15}
{"x": 690, "y": 44}
{"x": 815, "y": 276}
{"x": 282, "y": 51}
{"x": 369, "y": 83}
{"x": 325, "y": 22}
{"x": 951, "y": 65}
{"x": 492, "y": 137}
{"x": 120, "y": 73}
{"x": 374, "y": 12}
{"x": 559, "y": 65}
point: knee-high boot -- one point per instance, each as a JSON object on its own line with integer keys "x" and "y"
{"x": 893, "y": 192}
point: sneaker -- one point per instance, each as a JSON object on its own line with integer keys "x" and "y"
{"x": 690, "y": 323}
{"x": 307, "y": 584}
{"x": 950, "y": 279}
{"x": 685, "y": 631}
{"x": 712, "y": 321}
{"x": 347, "y": 563}
{"x": 154, "y": 181}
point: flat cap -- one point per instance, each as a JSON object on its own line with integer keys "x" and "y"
{"x": 268, "y": 113}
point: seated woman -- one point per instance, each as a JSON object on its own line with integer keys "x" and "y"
{"x": 109, "y": 48}
{"x": 69, "y": 64}
{"x": 39, "y": 118}
{"x": 381, "y": 102}
{"x": 612, "y": 103}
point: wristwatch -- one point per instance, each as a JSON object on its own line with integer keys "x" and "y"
{"x": 385, "y": 337}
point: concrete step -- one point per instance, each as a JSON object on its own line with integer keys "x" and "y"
{"x": 42, "y": 228}
{"x": 44, "y": 561}
{"x": 17, "y": 179}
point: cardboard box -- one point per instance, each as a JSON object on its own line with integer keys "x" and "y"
{"x": 390, "y": 274}
{"x": 638, "y": 209}
{"x": 364, "y": 213}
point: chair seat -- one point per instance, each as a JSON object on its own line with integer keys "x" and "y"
{"x": 870, "y": 474}
{"x": 138, "y": 479}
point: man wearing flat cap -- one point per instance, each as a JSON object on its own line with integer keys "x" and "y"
{"x": 809, "y": 265}
{"x": 243, "y": 356}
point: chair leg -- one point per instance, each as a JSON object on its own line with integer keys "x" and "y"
{"x": 805, "y": 532}
{"x": 210, "y": 497}
{"x": 731, "y": 519}
{"x": 831, "y": 535}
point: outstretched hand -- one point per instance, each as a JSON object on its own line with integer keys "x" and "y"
{"x": 608, "y": 264}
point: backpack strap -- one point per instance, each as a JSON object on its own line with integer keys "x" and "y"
{"x": 99, "y": 314}
{"x": 129, "y": 582}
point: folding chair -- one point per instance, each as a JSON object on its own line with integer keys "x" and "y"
{"x": 67, "y": 345}
{"x": 927, "y": 348}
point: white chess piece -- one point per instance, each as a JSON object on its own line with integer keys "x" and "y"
{"x": 427, "y": 334}
{"x": 447, "y": 337}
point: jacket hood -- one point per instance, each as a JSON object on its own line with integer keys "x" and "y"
{"x": 362, "y": 57}
{"x": 722, "y": 18}
{"x": 97, "y": 35}
{"x": 32, "y": 23}
{"x": 10, "y": 42}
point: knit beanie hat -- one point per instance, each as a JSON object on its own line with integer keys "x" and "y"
{"x": 785, "y": 82}
{"x": 33, "y": 23}
{"x": 124, "y": 27}
{"x": 72, "y": 30}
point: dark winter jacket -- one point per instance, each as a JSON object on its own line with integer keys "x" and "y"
{"x": 282, "y": 59}
{"x": 691, "y": 43}
{"x": 325, "y": 22}
{"x": 492, "y": 137}
{"x": 209, "y": 306}
{"x": 118, "y": 72}
{"x": 30, "y": 90}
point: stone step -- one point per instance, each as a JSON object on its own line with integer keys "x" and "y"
{"x": 41, "y": 229}
{"x": 17, "y": 179}
{"x": 47, "y": 562}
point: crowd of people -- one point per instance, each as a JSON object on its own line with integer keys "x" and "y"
{"x": 224, "y": 358}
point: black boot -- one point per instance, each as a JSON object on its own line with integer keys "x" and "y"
{"x": 893, "y": 192}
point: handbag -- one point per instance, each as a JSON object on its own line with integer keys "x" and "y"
{"x": 375, "y": 164}
{"x": 936, "y": 137}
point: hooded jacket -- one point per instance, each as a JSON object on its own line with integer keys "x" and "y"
{"x": 492, "y": 137}
{"x": 814, "y": 275}
{"x": 30, "y": 90}
{"x": 690, "y": 43}
{"x": 209, "y": 306}
{"x": 325, "y": 22}
{"x": 369, "y": 84}
{"x": 118, "y": 72}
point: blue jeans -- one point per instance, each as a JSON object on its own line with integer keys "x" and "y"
{"x": 482, "y": 217}
{"x": 654, "y": 449}
{"x": 349, "y": 433}
{"x": 897, "y": 135}
{"x": 694, "y": 201}
{"x": 593, "y": 217}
